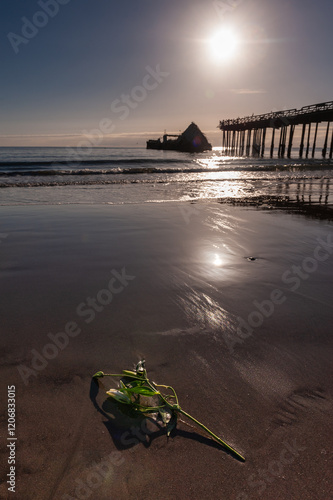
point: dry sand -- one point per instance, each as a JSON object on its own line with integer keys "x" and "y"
{"x": 265, "y": 389}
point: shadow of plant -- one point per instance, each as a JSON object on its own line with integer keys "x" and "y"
{"x": 126, "y": 426}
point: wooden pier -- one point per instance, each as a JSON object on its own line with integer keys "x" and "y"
{"x": 247, "y": 136}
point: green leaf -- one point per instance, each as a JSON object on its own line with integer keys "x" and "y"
{"x": 98, "y": 375}
{"x": 123, "y": 387}
{"x": 119, "y": 396}
{"x": 143, "y": 391}
{"x": 130, "y": 383}
{"x": 145, "y": 410}
{"x": 129, "y": 373}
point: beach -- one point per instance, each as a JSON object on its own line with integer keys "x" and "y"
{"x": 166, "y": 250}
{"x": 230, "y": 305}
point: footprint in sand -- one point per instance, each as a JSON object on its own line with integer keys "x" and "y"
{"x": 291, "y": 409}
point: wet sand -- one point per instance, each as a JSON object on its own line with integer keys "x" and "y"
{"x": 229, "y": 305}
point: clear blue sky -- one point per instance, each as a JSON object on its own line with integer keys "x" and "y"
{"x": 59, "y": 80}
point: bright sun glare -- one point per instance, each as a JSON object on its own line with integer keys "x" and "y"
{"x": 223, "y": 45}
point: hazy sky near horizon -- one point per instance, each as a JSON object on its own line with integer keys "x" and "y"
{"x": 146, "y": 66}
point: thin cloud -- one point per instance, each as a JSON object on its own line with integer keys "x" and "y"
{"x": 81, "y": 136}
{"x": 248, "y": 91}
{"x": 15, "y": 136}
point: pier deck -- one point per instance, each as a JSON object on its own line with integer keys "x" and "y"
{"x": 247, "y": 136}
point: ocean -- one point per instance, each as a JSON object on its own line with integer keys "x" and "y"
{"x": 59, "y": 175}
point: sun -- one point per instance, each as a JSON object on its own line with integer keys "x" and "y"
{"x": 223, "y": 45}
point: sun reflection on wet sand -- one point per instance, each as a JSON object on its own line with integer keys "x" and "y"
{"x": 217, "y": 260}
{"x": 214, "y": 189}
{"x": 240, "y": 186}
{"x": 206, "y": 312}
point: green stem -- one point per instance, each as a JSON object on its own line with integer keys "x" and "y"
{"x": 153, "y": 387}
{"x": 225, "y": 445}
{"x": 168, "y": 387}
{"x": 122, "y": 376}
{"x": 148, "y": 408}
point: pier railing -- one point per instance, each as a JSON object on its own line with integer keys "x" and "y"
{"x": 247, "y": 136}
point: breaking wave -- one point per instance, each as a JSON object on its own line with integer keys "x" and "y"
{"x": 152, "y": 170}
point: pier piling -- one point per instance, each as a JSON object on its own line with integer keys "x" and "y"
{"x": 331, "y": 148}
{"x": 263, "y": 142}
{"x": 290, "y": 143}
{"x": 301, "y": 147}
{"x": 326, "y": 139}
{"x": 308, "y": 142}
{"x": 272, "y": 143}
{"x": 314, "y": 141}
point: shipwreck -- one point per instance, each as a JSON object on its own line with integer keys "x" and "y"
{"x": 192, "y": 140}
